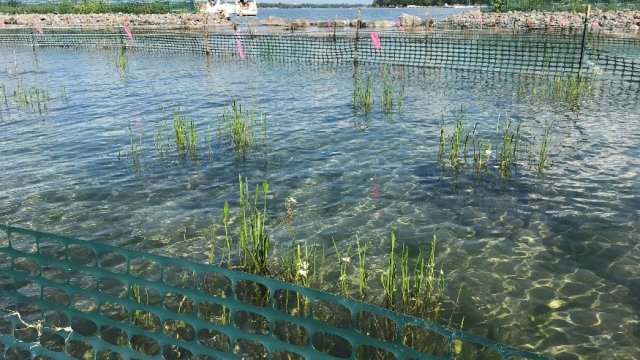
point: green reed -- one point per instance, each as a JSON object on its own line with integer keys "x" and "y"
{"x": 564, "y": 89}
{"x": 185, "y": 134}
{"x": 4, "y": 96}
{"x": 410, "y": 284}
{"x": 362, "y": 95}
{"x": 509, "y": 143}
{"x": 387, "y": 97}
{"x": 543, "y": 151}
{"x": 122, "y": 59}
{"x": 237, "y": 126}
{"x": 457, "y": 143}
{"x": 136, "y": 147}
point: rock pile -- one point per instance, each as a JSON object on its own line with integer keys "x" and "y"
{"x": 111, "y": 20}
{"x": 611, "y": 21}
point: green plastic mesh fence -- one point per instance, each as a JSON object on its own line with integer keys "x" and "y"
{"x": 532, "y": 52}
{"x": 64, "y": 298}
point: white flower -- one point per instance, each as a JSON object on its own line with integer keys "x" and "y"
{"x": 303, "y": 268}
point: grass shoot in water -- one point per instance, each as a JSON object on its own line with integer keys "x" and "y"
{"x": 362, "y": 95}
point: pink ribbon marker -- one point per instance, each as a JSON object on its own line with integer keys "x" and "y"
{"x": 40, "y": 30}
{"x": 375, "y": 39}
{"x": 128, "y": 32}
{"x": 239, "y": 49}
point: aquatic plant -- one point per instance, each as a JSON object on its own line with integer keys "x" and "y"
{"x": 122, "y": 60}
{"x": 509, "y": 143}
{"x": 237, "y": 127}
{"x": 185, "y": 134}
{"x": 543, "y": 152}
{"x": 362, "y": 95}
{"x": 4, "y": 96}
{"x": 564, "y": 89}
{"x": 136, "y": 146}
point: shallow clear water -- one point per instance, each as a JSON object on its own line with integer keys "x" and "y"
{"x": 548, "y": 262}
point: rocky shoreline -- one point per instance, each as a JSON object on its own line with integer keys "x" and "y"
{"x": 611, "y": 21}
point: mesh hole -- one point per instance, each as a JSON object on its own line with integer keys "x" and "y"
{"x": 145, "y": 320}
{"x": 376, "y": 326}
{"x": 4, "y": 240}
{"x": 251, "y": 322}
{"x": 5, "y": 261}
{"x": 425, "y": 340}
{"x": 179, "y": 304}
{"x": 84, "y": 303}
{"x": 26, "y": 266}
{"x": 79, "y": 350}
{"x": 366, "y": 352}
{"x": 331, "y": 344}
{"x": 29, "y": 312}
{"x": 26, "y": 332}
{"x": 251, "y": 292}
{"x": 466, "y": 350}
{"x": 144, "y": 345}
{"x": 113, "y": 287}
{"x": 114, "y": 311}
{"x": 6, "y": 327}
{"x": 55, "y": 273}
{"x": 53, "y": 249}
{"x": 290, "y": 302}
{"x": 145, "y": 295}
{"x": 83, "y": 280}
{"x": 55, "y": 296}
{"x": 332, "y": 313}
{"x": 16, "y": 353}
{"x": 30, "y": 290}
{"x": 113, "y": 262}
{"x": 214, "y": 340}
{"x": 215, "y": 284}
{"x": 179, "y": 329}
{"x": 108, "y": 355}
{"x": 52, "y": 341}
{"x": 84, "y": 327}
{"x": 213, "y": 312}
{"x": 175, "y": 275}
{"x": 291, "y": 333}
{"x": 145, "y": 269}
{"x": 172, "y": 352}
{"x": 56, "y": 318}
{"x": 207, "y": 357}
{"x": 248, "y": 349}
{"x": 81, "y": 255}
{"x": 114, "y": 335}
{"x": 286, "y": 355}
{"x": 23, "y": 243}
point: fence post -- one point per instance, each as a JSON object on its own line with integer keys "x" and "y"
{"x": 355, "y": 45}
{"x": 584, "y": 39}
{"x": 207, "y": 51}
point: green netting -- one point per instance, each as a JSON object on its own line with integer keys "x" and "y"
{"x": 531, "y": 52}
{"x": 62, "y": 298}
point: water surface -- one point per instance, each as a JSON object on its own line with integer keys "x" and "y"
{"x": 546, "y": 261}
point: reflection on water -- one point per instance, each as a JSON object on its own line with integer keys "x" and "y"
{"x": 550, "y": 262}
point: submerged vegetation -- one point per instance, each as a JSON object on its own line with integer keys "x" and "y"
{"x": 411, "y": 283}
{"x": 501, "y": 150}
{"x": 238, "y": 127}
{"x": 564, "y": 89}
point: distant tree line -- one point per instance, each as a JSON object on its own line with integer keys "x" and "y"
{"x": 402, "y": 3}
{"x": 298, "y": 6}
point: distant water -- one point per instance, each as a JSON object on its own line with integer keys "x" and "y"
{"x": 435, "y": 13}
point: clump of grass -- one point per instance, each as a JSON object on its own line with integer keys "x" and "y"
{"x": 362, "y": 95}
{"x": 457, "y": 142}
{"x": 564, "y": 89}
{"x": 185, "y": 134}
{"x": 34, "y": 98}
{"x": 543, "y": 152}
{"x": 237, "y": 127}
{"x": 136, "y": 146}
{"x": 509, "y": 144}
{"x": 4, "y": 96}
{"x": 410, "y": 284}
{"x": 122, "y": 60}
{"x": 253, "y": 244}
{"x": 389, "y": 100}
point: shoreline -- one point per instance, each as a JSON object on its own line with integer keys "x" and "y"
{"x": 627, "y": 22}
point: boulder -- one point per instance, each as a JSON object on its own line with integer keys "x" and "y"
{"x": 409, "y": 21}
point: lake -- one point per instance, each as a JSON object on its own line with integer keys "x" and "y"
{"x": 546, "y": 257}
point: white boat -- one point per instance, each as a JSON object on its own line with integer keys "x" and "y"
{"x": 231, "y": 7}
{"x": 246, "y": 8}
